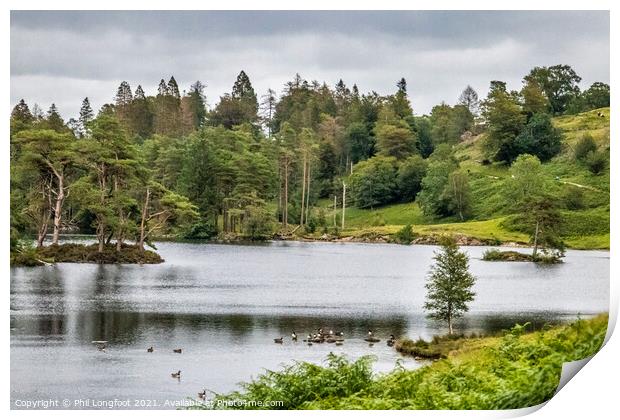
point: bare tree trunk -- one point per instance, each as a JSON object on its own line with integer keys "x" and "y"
{"x": 42, "y": 233}
{"x": 60, "y": 197}
{"x": 535, "y": 241}
{"x": 303, "y": 192}
{"x": 101, "y": 235}
{"x": 145, "y": 207}
{"x": 335, "y": 209}
{"x": 286, "y": 193}
{"x": 344, "y": 202}
{"x": 308, "y": 194}
{"x": 450, "y": 330}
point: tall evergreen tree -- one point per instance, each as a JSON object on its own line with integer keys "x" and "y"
{"x": 173, "y": 88}
{"x": 86, "y": 116}
{"x": 53, "y": 119}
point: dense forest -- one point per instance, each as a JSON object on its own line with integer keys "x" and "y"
{"x": 257, "y": 165}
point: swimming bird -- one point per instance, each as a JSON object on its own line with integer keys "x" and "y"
{"x": 176, "y": 375}
{"x": 294, "y": 336}
{"x": 201, "y": 395}
{"x": 101, "y": 345}
{"x": 150, "y": 349}
{"x": 278, "y": 340}
{"x": 391, "y": 340}
{"x": 178, "y": 350}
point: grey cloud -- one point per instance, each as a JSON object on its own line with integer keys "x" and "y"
{"x": 64, "y": 56}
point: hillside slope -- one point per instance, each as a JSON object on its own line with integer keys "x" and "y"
{"x": 587, "y": 228}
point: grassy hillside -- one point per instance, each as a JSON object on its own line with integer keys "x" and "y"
{"x": 587, "y": 228}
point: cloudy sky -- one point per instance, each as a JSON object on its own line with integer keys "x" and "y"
{"x": 62, "y": 56}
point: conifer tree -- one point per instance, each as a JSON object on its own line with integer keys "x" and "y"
{"x": 86, "y": 116}
{"x": 53, "y": 120}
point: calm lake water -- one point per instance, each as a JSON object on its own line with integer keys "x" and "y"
{"x": 224, "y": 304}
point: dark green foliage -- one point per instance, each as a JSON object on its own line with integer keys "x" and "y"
{"x": 539, "y": 138}
{"x": 373, "y": 182}
{"x": 573, "y": 198}
{"x": 505, "y": 121}
{"x": 361, "y": 143}
{"x": 431, "y": 199}
{"x": 422, "y": 126}
{"x": 449, "y": 285}
{"x": 584, "y": 146}
{"x": 597, "y": 161}
{"x": 560, "y": 84}
{"x": 201, "y": 230}
{"x": 409, "y": 178}
{"x": 597, "y": 96}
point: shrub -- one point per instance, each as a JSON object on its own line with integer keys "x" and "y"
{"x": 596, "y": 162}
{"x": 405, "y": 235}
{"x": 573, "y": 198}
{"x": 584, "y": 146}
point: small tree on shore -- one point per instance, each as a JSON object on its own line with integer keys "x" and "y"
{"x": 449, "y": 285}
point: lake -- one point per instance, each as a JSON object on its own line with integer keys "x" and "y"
{"x": 224, "y": 305}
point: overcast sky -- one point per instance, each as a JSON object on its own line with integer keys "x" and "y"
{"x": 62, "y": 56}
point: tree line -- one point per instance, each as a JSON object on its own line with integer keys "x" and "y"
{"x": 165, "y": 164}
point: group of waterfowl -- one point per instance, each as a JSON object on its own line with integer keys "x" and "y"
{"x": 333, "y": 337}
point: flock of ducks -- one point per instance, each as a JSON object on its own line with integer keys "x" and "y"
{"x": 333, "y": 337}
{"x": 319, "y": 337}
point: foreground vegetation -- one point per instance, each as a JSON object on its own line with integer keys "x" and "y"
{"x": 516, "y": 370}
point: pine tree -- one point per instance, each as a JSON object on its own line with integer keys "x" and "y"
{"x": 21, "y": 112}
{"x": 197, "y": 105}
{"x": 162, "y": 90}
{"x": 243, "y": 87}
{"x": 173, "y": 88}
{"x": 53, "y": 120}
{"x": 86, "y": 116}
{"x": 449, "y": 285}
{"x": 139, "y": 93}
{"x": 123, "y": 95}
